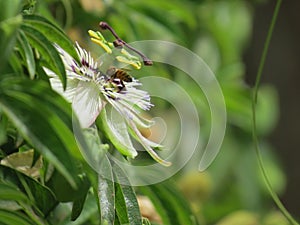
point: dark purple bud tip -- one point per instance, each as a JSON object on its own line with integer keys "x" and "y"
{"x": 118, "y": 43}
{"x": 103, "y": 25}
{"x": 148, "y": 62}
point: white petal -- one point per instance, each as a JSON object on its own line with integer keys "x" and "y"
{"x": 87, "y": 103}
{"x": 66, "y": 58}
{"x": 70, "y": 91}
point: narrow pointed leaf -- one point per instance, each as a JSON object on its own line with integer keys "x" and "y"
{"x": 52, "y": 32}
{"x": 26, "y": 52}
{"x": 42, "y": 198}
{"x": 127, "y": 207}
{"x": 15, "y": 63}
{"x": 8, "y": 192}
{"x": 106, "y": 193}
{"x": 41, "y": 72}
{"x": 47, "y": 51}
{"x": 10, "y": 218}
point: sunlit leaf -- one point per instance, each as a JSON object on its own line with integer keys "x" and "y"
{"x": 24, "y": 162}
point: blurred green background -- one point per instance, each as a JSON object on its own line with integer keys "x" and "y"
{"x": 229, "y": 35}
{"x": 282, "y": 71}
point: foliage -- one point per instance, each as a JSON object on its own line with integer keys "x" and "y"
{"x": 36, "y": 133}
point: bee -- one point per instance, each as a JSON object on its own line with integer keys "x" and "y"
{"x": 118, "y": 76}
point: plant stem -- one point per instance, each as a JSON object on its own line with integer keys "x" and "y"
{"x": 254, "y": 132}
{"x": 120, "y": 42}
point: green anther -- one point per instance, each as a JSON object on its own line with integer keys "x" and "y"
{"x": 128, "y": 55}
{"x": 96, "y": 35}
{"x": 102, "y": 44}
{"x": 135, "y": 64}
{"x": 98, "y": 38}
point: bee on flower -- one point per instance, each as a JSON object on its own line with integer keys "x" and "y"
{"x": 92, "y": 91}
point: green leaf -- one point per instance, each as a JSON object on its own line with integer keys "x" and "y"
{"x": 26, "y": 53}
{"x": 146, "y": 221}
{"x": 41, "y": 72}
{"x": 9, "y": 9}
{"x": 44, "y": 119}
{"x": 10, "y": 20}
{"x": 8, "y": 192}
{"x": 39, "y": 195}
{"x": 127, "y": 207}
{"x": 15, "y": 63}
{"x": 117, "y": 222}
{"x": 3, "y": 127}
{"x": 89, "y": 212}
{"x": 178, "y": 202}
{"x": 62, "y": 189}
{"x": 170, "y": 203}
{"x": 106, "y": 193}
{"x": 158, "y": 204}
{"x": 13, "y": 218}
{"x": 47, "y": 51}
{"x": 77, "y": 207}
{"x": 52, "y": 32}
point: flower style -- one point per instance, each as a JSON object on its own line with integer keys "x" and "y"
{"x": 90, "y": 90}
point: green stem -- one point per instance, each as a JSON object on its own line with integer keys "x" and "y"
{"x": 254, "y": 132}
